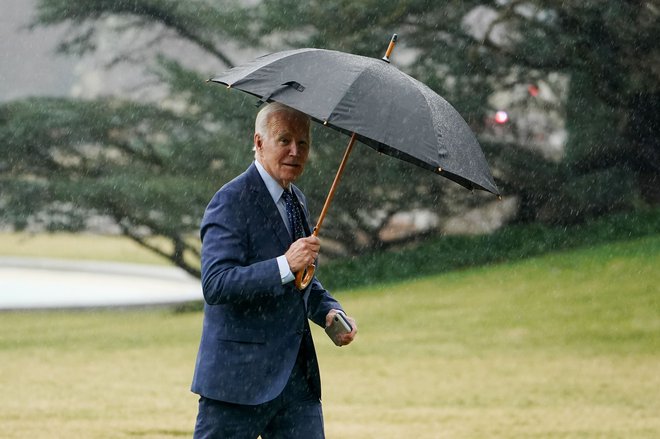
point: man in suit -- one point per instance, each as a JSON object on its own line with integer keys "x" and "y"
{"x": 256, "y": 370}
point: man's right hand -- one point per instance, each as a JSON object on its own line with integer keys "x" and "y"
{"x": 303, "y": 253}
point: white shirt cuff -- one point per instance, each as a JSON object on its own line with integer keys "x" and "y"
{"x": 285, "y": 270}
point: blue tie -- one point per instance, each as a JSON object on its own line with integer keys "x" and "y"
{"x": 293, "y": 213}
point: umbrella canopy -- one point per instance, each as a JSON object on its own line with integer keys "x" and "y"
{"x": 385, "y": 108}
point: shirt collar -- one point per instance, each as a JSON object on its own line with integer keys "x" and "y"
{"x": 273, "y": 186}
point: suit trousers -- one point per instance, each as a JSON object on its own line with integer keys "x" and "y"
{"x": 295, "y": 414}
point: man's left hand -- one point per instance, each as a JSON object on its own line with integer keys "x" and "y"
{"x": 347, "y": 338}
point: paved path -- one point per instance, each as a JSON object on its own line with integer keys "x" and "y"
{"x": 27, "y": 283}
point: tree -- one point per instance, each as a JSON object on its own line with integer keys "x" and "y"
{"x": 610, "y": 52}
{"x": 607, "y": 49}
{"x": 152, "y": 166}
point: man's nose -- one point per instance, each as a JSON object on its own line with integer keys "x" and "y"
{"x": 294, "y": 149}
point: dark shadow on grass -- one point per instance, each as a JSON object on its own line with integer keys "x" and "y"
{"x": 512, "y": 243}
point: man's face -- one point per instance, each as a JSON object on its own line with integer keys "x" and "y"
{"x": 283, "y": 151}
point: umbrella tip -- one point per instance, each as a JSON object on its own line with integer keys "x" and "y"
{"x": 386, "y": 58}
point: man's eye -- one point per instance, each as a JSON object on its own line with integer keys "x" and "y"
{"x": 284, "y": 141}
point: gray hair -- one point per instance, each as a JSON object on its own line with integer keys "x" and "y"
{"x": 263, "y": 117}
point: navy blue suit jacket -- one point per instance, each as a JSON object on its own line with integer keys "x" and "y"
{"x": 253, "y": 325}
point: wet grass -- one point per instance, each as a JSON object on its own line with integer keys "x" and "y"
{"x": 564, "y": 345}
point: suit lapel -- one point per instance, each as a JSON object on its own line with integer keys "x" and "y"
{"x": 268, "y": 207}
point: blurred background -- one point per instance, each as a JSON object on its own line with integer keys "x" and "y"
{"x": 108, "y": 124}
{"x": 112, "y": 143}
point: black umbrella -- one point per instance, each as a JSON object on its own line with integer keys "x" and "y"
{"x": 373, "y": 102}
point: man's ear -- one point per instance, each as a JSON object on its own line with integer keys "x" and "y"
{"x": 258, "y": 141}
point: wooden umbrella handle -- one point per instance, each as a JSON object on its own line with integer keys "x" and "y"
{"x": 304, "y": 277}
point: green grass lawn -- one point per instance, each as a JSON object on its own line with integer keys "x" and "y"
{"x": 566, "y": 345}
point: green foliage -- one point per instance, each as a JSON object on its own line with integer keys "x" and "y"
{"x": 608, "y": 50}
{"x": 512, "y": 243}
{"x": 595, "y": 139}
{"x": 200, "y": 21}
{"x": 152, "y": 169}
{"x": 69, "y": 160}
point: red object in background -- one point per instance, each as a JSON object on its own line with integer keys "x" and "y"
{"x": 533, "y": 90}
{"x": 501, "y": 117}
